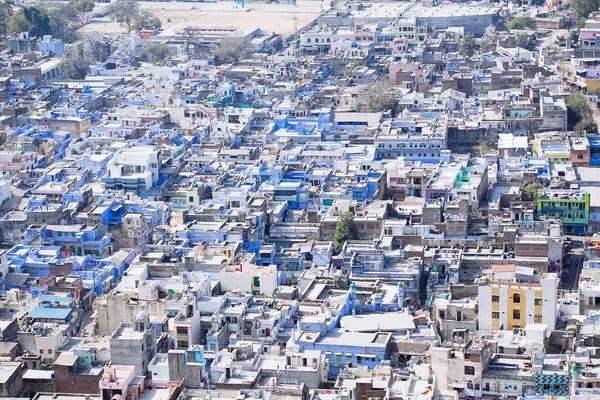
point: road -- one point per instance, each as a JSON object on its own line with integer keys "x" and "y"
{"x": 549, "y": 39}
{"x": 572, "y": 264}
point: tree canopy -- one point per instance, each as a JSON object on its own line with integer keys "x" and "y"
{"x": 155, "y": 52}
{"x": 6, "y": 11}
{"x": 131, "y": 17}
{"x": 39, "y": 23}
{"x": 530, "y": 191}
{"x": 522, "y": 22}
{"x": 522, "y": 40}
{"x": 378, "y": 96}
{"x": 583, "y": 8}
{"x": 58, "y": 19}
{"x": 232, "y": 50}
{"x": 467, "y": 46}
{"x": 83, "y": 7}
{"x": 345, "y": 230}
{"x": 76, "y": 65}
{"x": 579, "y": 115}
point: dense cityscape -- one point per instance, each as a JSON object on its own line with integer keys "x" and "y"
{"x": 299, "y": 200}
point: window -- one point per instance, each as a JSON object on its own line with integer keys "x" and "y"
{"x": 477, "y": 386}
{"x": 537, "y": 318}
{"x": 580, "y": 156}
{"x": 470, "y": 385}
{"x": 516, "y": 314}
{"x": 469, "y": 370}
{"x": 50, "y": 351}
{"x": 358, "y": 359}
{"x": 538, "y": 302}
{"x": 182, "y": 330}
{"x": 442, "y": 314}
{"x": 516, "y": 298}
{"x": 495, "y": 314}
{"x": 41, "y": 351}
{"x": 495, "y": 299}
{"x": 191, "y": 199}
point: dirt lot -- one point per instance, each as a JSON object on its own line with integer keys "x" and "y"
{"x": 277, "y": 17}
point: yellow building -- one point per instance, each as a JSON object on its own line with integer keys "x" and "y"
{"x": 513, "y": 297}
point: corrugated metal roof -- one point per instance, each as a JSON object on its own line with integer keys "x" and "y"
{"x": 50, "y": 312}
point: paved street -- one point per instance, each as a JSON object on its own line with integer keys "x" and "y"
{"x": 573, "y": 262}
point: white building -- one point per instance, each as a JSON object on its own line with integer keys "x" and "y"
{"x": 133, "y": 169}
{"x": 505, "y": 303}
{"x": 249, "y": 278}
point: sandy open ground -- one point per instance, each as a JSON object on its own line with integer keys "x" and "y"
{"x": 277, "y": 17}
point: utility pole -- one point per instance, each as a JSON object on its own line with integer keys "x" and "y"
{"x": 295, "y": 38}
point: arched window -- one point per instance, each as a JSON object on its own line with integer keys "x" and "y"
{"x": 516, "y": 298}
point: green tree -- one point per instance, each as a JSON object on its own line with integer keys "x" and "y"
{"x": 345, "y": 230}
{"x": 17, "y": 23}
{"x": 378, "y": 96}
{"x": 64, "y": 20}
{"x": 83, "y": 7}
{"x": 146, "y": 18}
{"x": 578, "y": 110}
{"x": 583, "y": 8}
{"x": 574, "y": 36}
{"x": 76, "y": 65}
{"x": 529, "y": 192}
{"x": 522, "y": 40}
{"x": 485, "y": 146}
{"x": 522, "y": 22}
{"x": 467, "y": 46}
{"x": 127, "y": 13}
{"x": 157, "y": 52}
{"x": 353, "y": 66}
{"x": 39, "y": 23}
{"x": 586, "y": 124}
{"x": 6, "y": 11}
{"x": 232, "y": 50}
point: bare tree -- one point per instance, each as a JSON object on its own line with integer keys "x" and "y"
{"x": 94, "y": 46}
{"x": 190, "y": 35}
{"x": 378, "y": 96}
{"x": 232, "y": 49}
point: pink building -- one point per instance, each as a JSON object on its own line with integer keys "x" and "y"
{"x": 552, "y": 4}
{"x": 401, "y": 72}
{"x": 116, "y": 381}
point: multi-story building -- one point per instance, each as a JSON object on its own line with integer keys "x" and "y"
{"x": 403, "y": 139}
{"x": 507, "y": 303}
{"x": 572, "y": 207}
{"x": 134, "y": 169}
{"x": 134, "y": 344}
